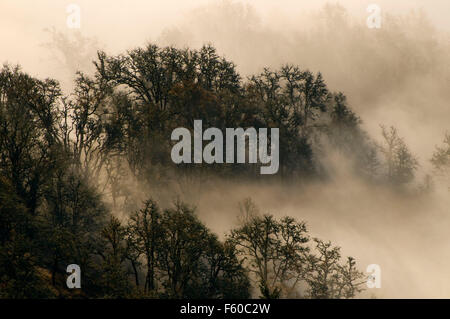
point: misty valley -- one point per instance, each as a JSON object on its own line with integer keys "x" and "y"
{"x": 225, "y": 152}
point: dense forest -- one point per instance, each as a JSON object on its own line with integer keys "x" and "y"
{"x": 66, "y": 162}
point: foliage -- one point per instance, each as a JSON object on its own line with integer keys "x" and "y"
{"x": 66, "y": 163}
{"x": 400, "y": 162}
{"x": 277, "y": 254}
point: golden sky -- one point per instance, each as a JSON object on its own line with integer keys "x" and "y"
{"x": 125, "y": 24}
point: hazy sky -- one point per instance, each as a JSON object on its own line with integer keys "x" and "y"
{"x": 120, "y": 25}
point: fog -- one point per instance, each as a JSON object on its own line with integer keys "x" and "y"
{"x": 396, "y": 75}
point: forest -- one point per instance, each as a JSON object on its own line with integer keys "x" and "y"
{"x": 66, "y": 161}
{"x": 87, "y": 178}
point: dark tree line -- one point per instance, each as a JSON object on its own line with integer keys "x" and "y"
{"x": 65, "y": 161}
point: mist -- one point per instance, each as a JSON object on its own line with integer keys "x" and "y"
{"x": 395, "y": 76}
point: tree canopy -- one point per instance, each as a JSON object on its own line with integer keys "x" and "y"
{"x": 70, "y": 166}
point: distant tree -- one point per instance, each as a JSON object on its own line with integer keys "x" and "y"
{"x": 441, "y": 159}
{"x": 346, "y": 135}
{"x": 401, "y": 163}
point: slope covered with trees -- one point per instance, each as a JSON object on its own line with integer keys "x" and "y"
{"x": 66, "y": 162}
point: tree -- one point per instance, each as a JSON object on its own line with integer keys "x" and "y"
{"x": 81, "y": 123}
{"x": 401, "y": 164}
{"x": 351, "y": 280}
{"x": 144, "y": 236}
{"x": 277, "y": 253}
{"x": 441, "y": 159}
{"x": 61, "y": 156}
{"x": 327, "y": 278}
{"x": 274, "y": 251}
{"x": 114, "y": 252}
{"x": 72, "y": 217}
{"x": 226, "y": 276}
{"x": 20, "y": 274}
{"x": 28, "y": 135}
{"x": 159, "y": 89}
{"x": 192, "y": 261}
{"x": 345, "y": 134}
{"x": 291, "y": 100}
{"x": 14, "y": 217}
